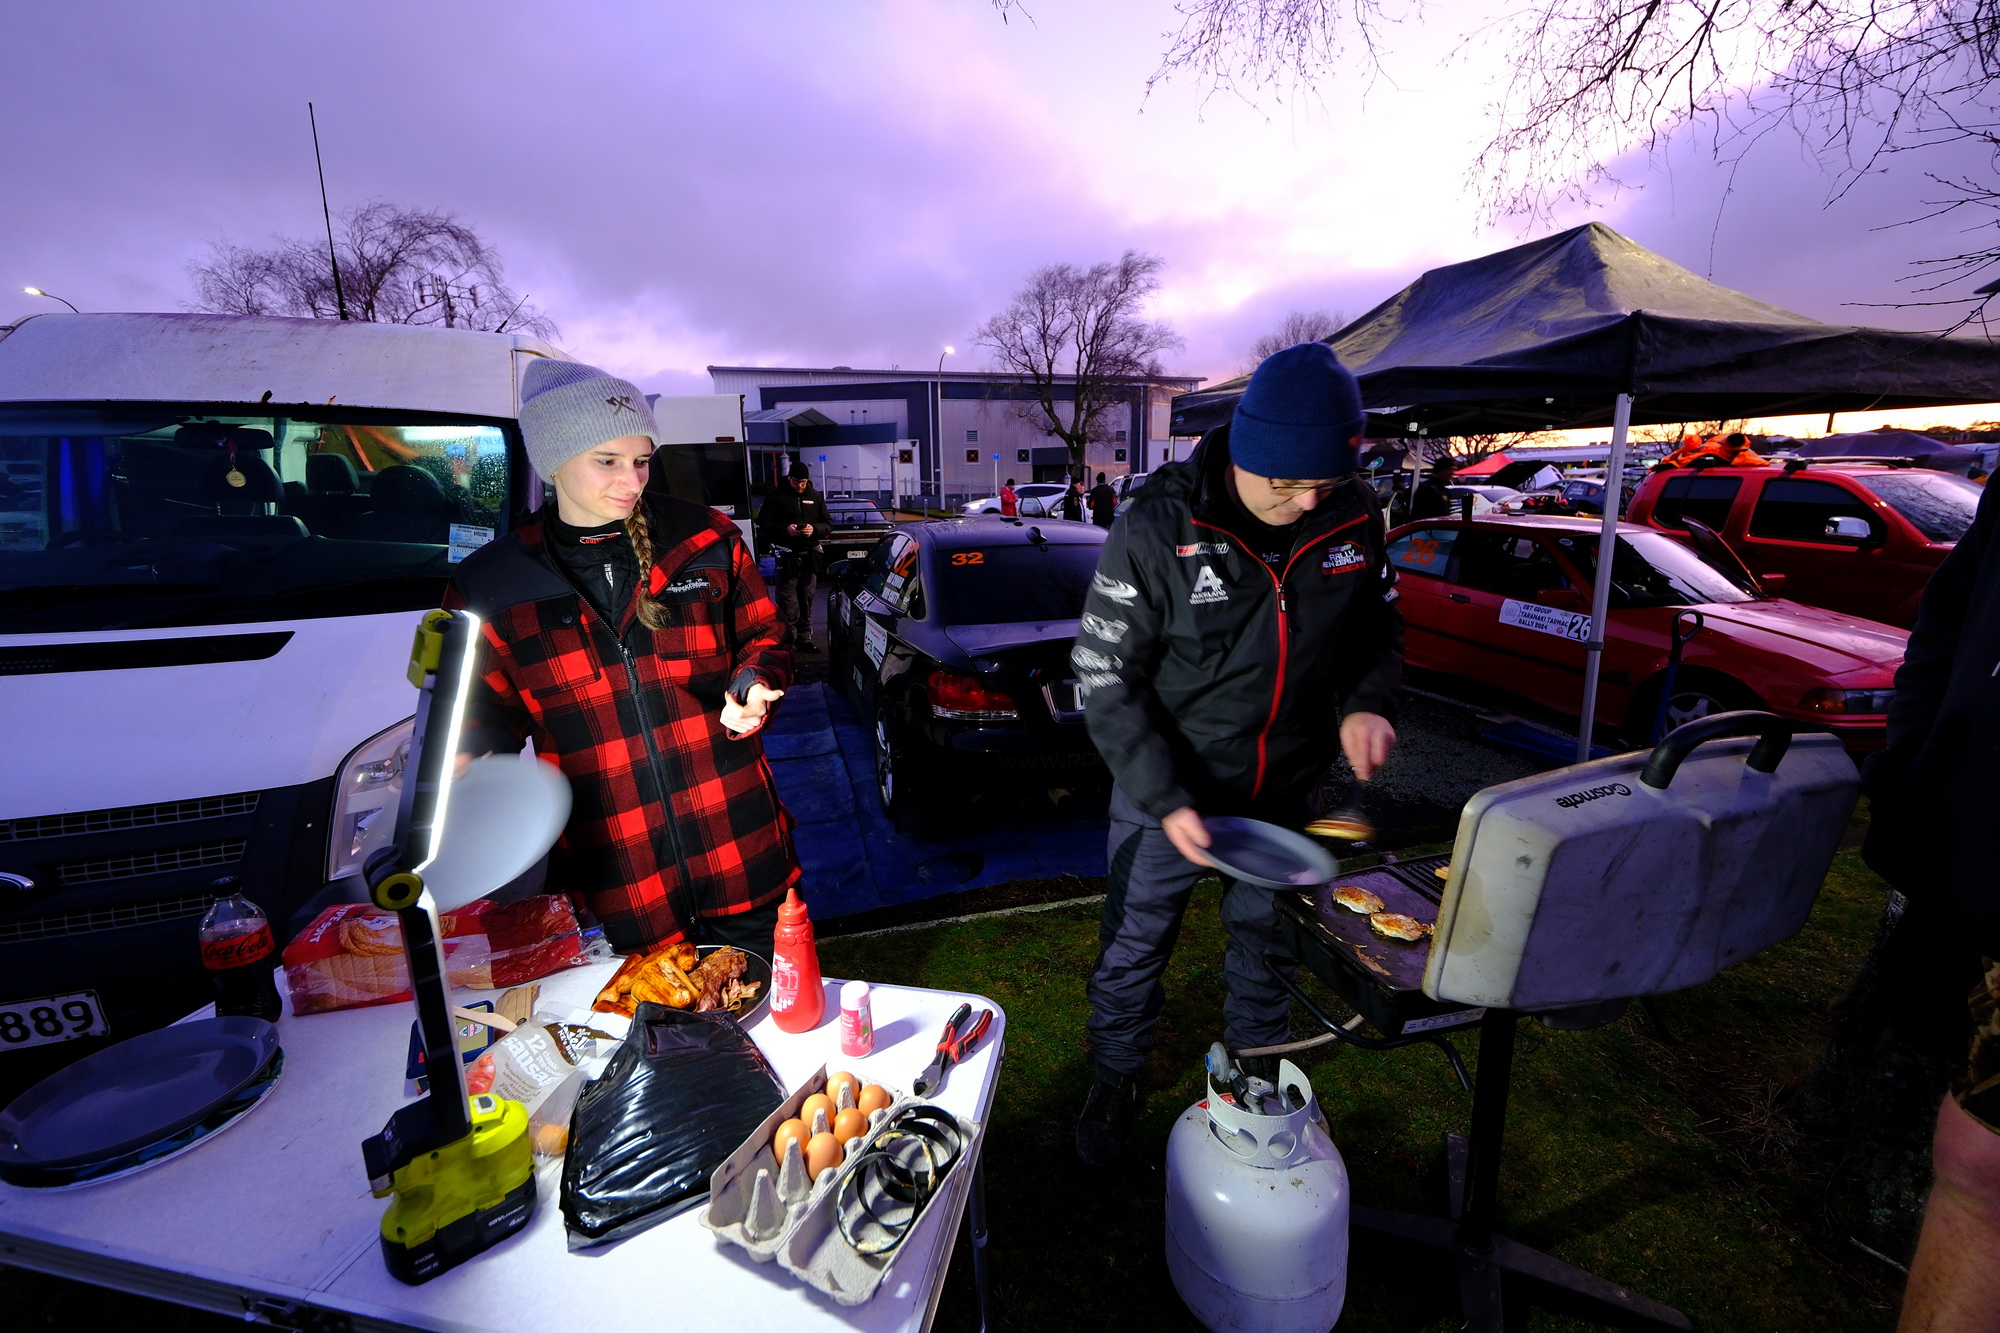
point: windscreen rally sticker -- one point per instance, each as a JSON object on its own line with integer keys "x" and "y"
{"x": 1570, "y": 625}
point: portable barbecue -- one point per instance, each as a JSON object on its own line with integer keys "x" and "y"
{"x": 1569, "y": 894}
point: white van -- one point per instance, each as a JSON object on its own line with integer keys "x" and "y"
{"x": 216, "y": 533}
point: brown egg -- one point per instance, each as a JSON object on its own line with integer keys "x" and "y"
{"x": 552, "y": 1139}
{"x": 819, "y": 1101}
{"x": 873, "y": 1098}
{"x": 833, "y": 1082}
{"x": 787, "y": 1131}
{"x": 850, "y": 1124}
{"x": 822, "y": 1152}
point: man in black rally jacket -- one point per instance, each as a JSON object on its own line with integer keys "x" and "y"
{"x": 1242, "y": 617}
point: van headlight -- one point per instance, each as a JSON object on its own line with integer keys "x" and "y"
{"x": 365, "y": 796}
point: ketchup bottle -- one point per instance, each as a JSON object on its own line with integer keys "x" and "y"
{"x": 798, "y": 1000}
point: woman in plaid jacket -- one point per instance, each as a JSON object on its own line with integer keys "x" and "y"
{"x": 630, "y": 637}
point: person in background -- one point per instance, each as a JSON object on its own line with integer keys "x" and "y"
{"x": 1072, "y": 502}
{"x": 1433, "y": 498}
{"x": 1010, "y": 503}
{"x": 629, "y": 637}
{"x": 1103, "y": 503}
{"x": 792, "y": 524}
{"x": 1242, "y": 623}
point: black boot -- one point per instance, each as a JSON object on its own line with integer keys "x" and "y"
{"x": 806, "y": 644}
{"x": 1107, "y": 1116}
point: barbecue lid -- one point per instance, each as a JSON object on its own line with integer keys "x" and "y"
{"x": 1640, "y": 873}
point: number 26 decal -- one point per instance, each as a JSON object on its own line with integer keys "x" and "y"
{"x": 968, "y": 557}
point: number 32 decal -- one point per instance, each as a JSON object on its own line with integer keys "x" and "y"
{"x": 968, "y": 557}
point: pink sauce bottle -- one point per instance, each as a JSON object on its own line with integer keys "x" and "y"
{"x": 798, "y": 999}
{"x": 857, "y": 1020}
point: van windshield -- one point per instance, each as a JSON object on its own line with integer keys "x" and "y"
{"x": 119, "y": 516}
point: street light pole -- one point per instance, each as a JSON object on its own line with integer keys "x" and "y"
{"x": 36, "y": 291}
{"x": 937, "y": 424}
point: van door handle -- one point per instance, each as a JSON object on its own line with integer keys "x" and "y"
{"x": 1456, "y": 597}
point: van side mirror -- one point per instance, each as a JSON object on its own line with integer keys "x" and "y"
{"x": 1773, "y": 584}
{"x": 1848, "y": 528}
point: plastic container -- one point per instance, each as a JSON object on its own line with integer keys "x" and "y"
{"x": 1257, "y": 1214}
{"x": 798, "y": 999}
{"x": 857, "y": 1020}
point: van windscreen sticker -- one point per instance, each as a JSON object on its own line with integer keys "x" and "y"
{"x": 467, "y": 538}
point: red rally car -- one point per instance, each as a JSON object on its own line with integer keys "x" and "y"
{"x": 1505, "y": 601}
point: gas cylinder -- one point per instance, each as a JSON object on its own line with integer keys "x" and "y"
{"x": 1257, "y": 1210}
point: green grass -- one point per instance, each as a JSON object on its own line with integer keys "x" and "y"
{"x": 1661, "y": 1166}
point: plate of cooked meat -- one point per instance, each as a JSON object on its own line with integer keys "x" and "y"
{"x": 687, "y": 976}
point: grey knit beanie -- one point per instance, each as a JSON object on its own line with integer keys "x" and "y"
{"x": 568, "y": 408}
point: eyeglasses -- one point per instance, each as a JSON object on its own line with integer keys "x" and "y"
{"x": 1290, "y": 489}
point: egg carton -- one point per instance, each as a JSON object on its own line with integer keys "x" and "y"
{"x": 756, "y": 1207}
{"x": 812, "y": 1247}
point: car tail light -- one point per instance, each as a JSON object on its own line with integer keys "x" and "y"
{"x": 1847, "y": 702}
{"x": 965, "y": 699}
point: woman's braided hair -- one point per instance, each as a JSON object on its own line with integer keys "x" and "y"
{"x": 651, "y": 613}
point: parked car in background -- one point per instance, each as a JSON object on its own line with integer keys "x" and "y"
{"x": 952, "y": 640}
{"x": 1505, "y": 601}
{"x": 1856, "y": 538}
{"x": 1048, "y": 492}
{"x": 858, "y": 527}
{"x": 1484, "y": 498}
{"x": 1128, "y": 486}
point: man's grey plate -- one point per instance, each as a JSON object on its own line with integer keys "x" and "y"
{"x": 1267, "y": 855}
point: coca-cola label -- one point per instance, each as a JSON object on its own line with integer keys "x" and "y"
{"x": 237, "y": 950}
{"x": 784, "y": 983}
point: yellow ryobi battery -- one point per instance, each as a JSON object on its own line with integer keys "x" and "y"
{"x": 453, "y": 1202}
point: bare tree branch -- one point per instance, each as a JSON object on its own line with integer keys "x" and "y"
{"x": 1076, "y": 340}
{"x": 1301, "y": 326}
{"x": 398, "y": 265}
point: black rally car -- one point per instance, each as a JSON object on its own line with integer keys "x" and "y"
{"x": 952, "y": 640}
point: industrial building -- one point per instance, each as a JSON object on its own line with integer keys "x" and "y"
{"x": 949, "y": 435}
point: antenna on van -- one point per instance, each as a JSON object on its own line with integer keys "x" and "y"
{"x": 333, "y": 256}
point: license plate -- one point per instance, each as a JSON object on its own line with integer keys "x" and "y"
{"x": 857, "y": 555}
{"x": 25, "y": 1023}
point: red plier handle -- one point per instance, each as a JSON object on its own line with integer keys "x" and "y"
{"x": 954, "y": 1046}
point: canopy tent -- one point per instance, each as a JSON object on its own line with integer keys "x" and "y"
{"x": 1485, "y": 467}
{"x": 1922, "y": 449}
{"x": 1587, "y": 327}
{"x": 1546, "y": 335}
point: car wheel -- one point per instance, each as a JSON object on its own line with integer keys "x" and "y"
{"x": 1696, "y": 694}
{"x": 901, "y": 781}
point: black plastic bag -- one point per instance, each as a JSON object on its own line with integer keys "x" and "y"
{"x": 682, "y": 1092}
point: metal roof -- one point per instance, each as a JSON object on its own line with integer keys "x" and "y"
{"x": 249, "y": 359}
{"x": 795, "y": 416}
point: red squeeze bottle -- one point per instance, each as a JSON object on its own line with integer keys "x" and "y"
{"x": 798, "y": 1000}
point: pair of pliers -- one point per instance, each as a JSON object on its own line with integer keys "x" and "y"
{"x": 953, "y": 1046}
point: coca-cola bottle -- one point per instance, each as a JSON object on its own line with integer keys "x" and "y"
{"x": 240, "y": 955}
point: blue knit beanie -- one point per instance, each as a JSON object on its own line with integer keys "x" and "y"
{"x": 1298, "y": 417}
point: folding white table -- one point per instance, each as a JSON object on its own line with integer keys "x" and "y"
{"x": 272, "y": 1220}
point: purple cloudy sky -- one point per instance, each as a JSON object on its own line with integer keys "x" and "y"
{"x": 809, "y": 183}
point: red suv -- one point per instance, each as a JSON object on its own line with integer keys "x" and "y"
{"x": 1854, "y": 538}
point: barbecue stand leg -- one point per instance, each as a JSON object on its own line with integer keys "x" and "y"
{"x": 1483, "y": 1256}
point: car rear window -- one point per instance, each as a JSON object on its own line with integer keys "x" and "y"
{"x": 1703, "y": 498}
{"x": 850, "y": 515}
{"x": 1796, "y": 509}
{"x": 1425, "y": 551}
{"x": 1937, "y": 504}
{"x": 1002, "y": 584}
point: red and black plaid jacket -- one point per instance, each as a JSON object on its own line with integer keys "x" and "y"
{"x": 673, "y": 818}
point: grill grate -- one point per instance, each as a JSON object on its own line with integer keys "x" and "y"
{"x": 127, "y": 817}
{"x": 98, "y": 869}
{"x": 106, "y": 918}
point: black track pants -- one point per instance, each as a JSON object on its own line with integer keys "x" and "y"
{"x": 1147, "y": 893}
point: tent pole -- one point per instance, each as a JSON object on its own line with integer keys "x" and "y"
{"x": 1607, "y": 551}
